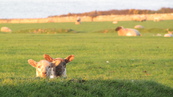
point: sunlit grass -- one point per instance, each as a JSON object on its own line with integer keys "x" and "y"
{"x": 149, "y": 26}
{"x": 105, "y": 65}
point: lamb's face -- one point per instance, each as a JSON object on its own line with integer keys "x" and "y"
{"x": 60, "y": 67}
{"x": 51, "y": 71}
{"x": 57, "y": 68}
{"x": 42, "y": 68}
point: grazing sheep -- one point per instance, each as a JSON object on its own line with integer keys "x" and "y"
{"x": 5, "y": 29}
{"x": 138, "y": 26}
{"x": 157, "y": 19}
{"x": 158, "y": 34}
{"x": 169, "y": 34}
{"x": 78, "y": 21}
{"x": 115, "y": 22}
{"x": 127, "y": 32}
{"x": 139, "y": 18}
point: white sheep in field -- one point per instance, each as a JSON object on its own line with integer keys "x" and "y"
{"x": 138, "y": 27}
{"x": 169, "y": 34}
{"x": 78, "y": 21}
{"x": 157, "y": 19}
{"x": 127, "y": 31}
{"x": 115, "y": 22}
{"x": 5, "y": 29}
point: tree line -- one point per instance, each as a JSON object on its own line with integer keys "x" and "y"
{"x": 119, "y": 12}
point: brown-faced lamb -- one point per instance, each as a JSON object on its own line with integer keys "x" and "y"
{"x": 127, "y": 31}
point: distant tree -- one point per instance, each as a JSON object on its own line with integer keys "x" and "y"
{"x": 93, "y": 15}
{"x": 165, "y": 10}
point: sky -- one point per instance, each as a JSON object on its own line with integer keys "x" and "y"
{"x": 45, "y": 8}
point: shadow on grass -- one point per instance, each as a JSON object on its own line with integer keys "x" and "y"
{"x": 83, "y": 88}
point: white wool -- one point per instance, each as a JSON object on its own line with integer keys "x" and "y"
{"x": 129, "y": 34}
{"x": 52, "y": 76}
{"x": 64, "y": 74}
{"x": 168, "y": 35}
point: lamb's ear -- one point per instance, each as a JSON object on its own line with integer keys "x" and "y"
{"x": 48, "y": 58}
{"x": 69, "y": 58}
{"x": 32, "y": 63}
{"x": 57, "y": 62}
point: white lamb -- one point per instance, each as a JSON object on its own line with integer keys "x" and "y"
{"x": 127, "y": 31}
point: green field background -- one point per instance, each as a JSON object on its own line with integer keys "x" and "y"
{"x": 105, "y": 64}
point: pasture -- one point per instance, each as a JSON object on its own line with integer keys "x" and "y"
{"x": 105, "y": 64}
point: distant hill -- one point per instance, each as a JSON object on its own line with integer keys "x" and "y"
{"x": 118, "y": 12}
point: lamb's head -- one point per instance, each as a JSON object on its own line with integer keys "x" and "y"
{"x": 58, "y": 67}
{"x": 170, "y": 32}
{"x": 118, "y": 28}
{"x": 42, "y": 67}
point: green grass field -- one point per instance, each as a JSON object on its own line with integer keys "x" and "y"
{"x": 105, "y": 64}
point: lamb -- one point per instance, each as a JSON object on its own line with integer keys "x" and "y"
{"x": 169, "y": 34}
{"x": 41, "y": 67}
{"x": 127, "y": 31}
{"x": 59, "y": 65}
{"x": 51, "y": 68}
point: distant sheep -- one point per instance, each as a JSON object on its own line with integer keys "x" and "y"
{"x": 127, "y": 32}
{"x": 139, "y": 18}
{"x": 169, "y": 33}
{"x": 158, "y": 34}
{"x": 5, "y": 29}
{"x": 78, "y": 21}
{"x": 138, "y": 26}
{"x": 157, "y": 19}
{"x": 115, "y": 22}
